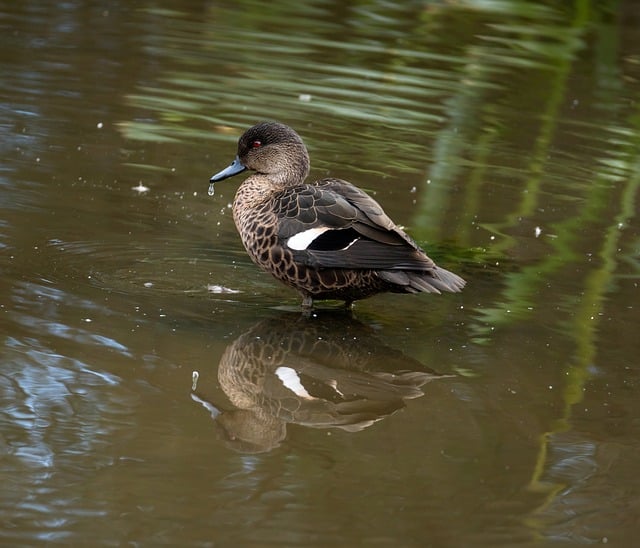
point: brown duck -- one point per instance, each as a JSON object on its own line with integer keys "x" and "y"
{"x": 327, "y": 239}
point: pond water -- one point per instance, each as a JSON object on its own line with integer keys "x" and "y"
{"x": 505, "y": 137}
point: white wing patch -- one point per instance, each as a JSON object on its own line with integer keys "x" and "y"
{"x": 291, "y": 380}
{"x": 302, "y": 240}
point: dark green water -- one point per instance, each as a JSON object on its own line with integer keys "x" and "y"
{"x": 505, "y": 137}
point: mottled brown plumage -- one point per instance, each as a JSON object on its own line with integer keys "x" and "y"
{"x": 327, "y": 239}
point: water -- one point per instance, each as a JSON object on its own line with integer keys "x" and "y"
{"x": 502, "y": 135}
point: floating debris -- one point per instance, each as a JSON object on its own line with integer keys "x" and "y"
{"x": 213, "y": 288}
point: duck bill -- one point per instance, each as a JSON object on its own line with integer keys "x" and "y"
{"x": 236, "y": 167}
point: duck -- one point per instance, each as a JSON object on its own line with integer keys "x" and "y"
{"x": 327, "y": 239}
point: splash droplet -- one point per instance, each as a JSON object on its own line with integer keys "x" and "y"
{"x": 211, "y": 190}
{"x": 194, "y": 379}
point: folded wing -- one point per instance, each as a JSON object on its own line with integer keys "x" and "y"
{"x": 335, "y": 225}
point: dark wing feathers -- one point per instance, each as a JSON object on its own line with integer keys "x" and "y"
{"x": 309, "y": 206}
{"x": 362, "y": 235}
{"x": 367, "y": 254}
{"x": 332, "y": 203}
{"x": 384, "y": 236}
{"x": 363, "y": 202}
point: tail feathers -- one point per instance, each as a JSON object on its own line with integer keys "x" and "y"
{"x": 451, "y": 282}
{"x": 432, "y": 281}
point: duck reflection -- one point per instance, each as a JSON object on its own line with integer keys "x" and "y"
{"x": 326, "y": 371}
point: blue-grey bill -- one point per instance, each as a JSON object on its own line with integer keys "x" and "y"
{"x": 236, "y": 167}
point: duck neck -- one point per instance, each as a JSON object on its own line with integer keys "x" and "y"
{"x": 294, "y": 170}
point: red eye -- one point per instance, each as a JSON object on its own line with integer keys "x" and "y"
{"x": 256, "y": 144}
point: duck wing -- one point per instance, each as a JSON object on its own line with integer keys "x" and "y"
{"x": 333, "y": 224}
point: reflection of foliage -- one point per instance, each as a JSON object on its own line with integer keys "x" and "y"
{"x": 369, "y": 68}
{"x": 511, "y": 192}
{"x": 529, "y": 165}
{"x": 369, "y": 71}
{"x": 602, "y": 195}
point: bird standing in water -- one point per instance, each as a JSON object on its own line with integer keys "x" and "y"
{"x": 327, "y": 239}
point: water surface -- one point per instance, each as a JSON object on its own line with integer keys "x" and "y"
{"x": 503, "y": 136}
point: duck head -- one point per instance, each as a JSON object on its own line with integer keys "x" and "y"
{"x": 271, "y": 149}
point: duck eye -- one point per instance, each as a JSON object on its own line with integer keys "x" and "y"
{"x": 256, "y": 144}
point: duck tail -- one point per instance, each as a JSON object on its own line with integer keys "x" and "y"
{"x": 435, "y": 280}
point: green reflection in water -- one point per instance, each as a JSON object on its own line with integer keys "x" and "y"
{"x": 375, "y": 78}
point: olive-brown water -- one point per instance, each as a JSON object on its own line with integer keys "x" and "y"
{"x": 505, "y": 137}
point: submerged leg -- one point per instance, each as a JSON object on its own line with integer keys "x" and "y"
{"x": 307, "y": 302}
